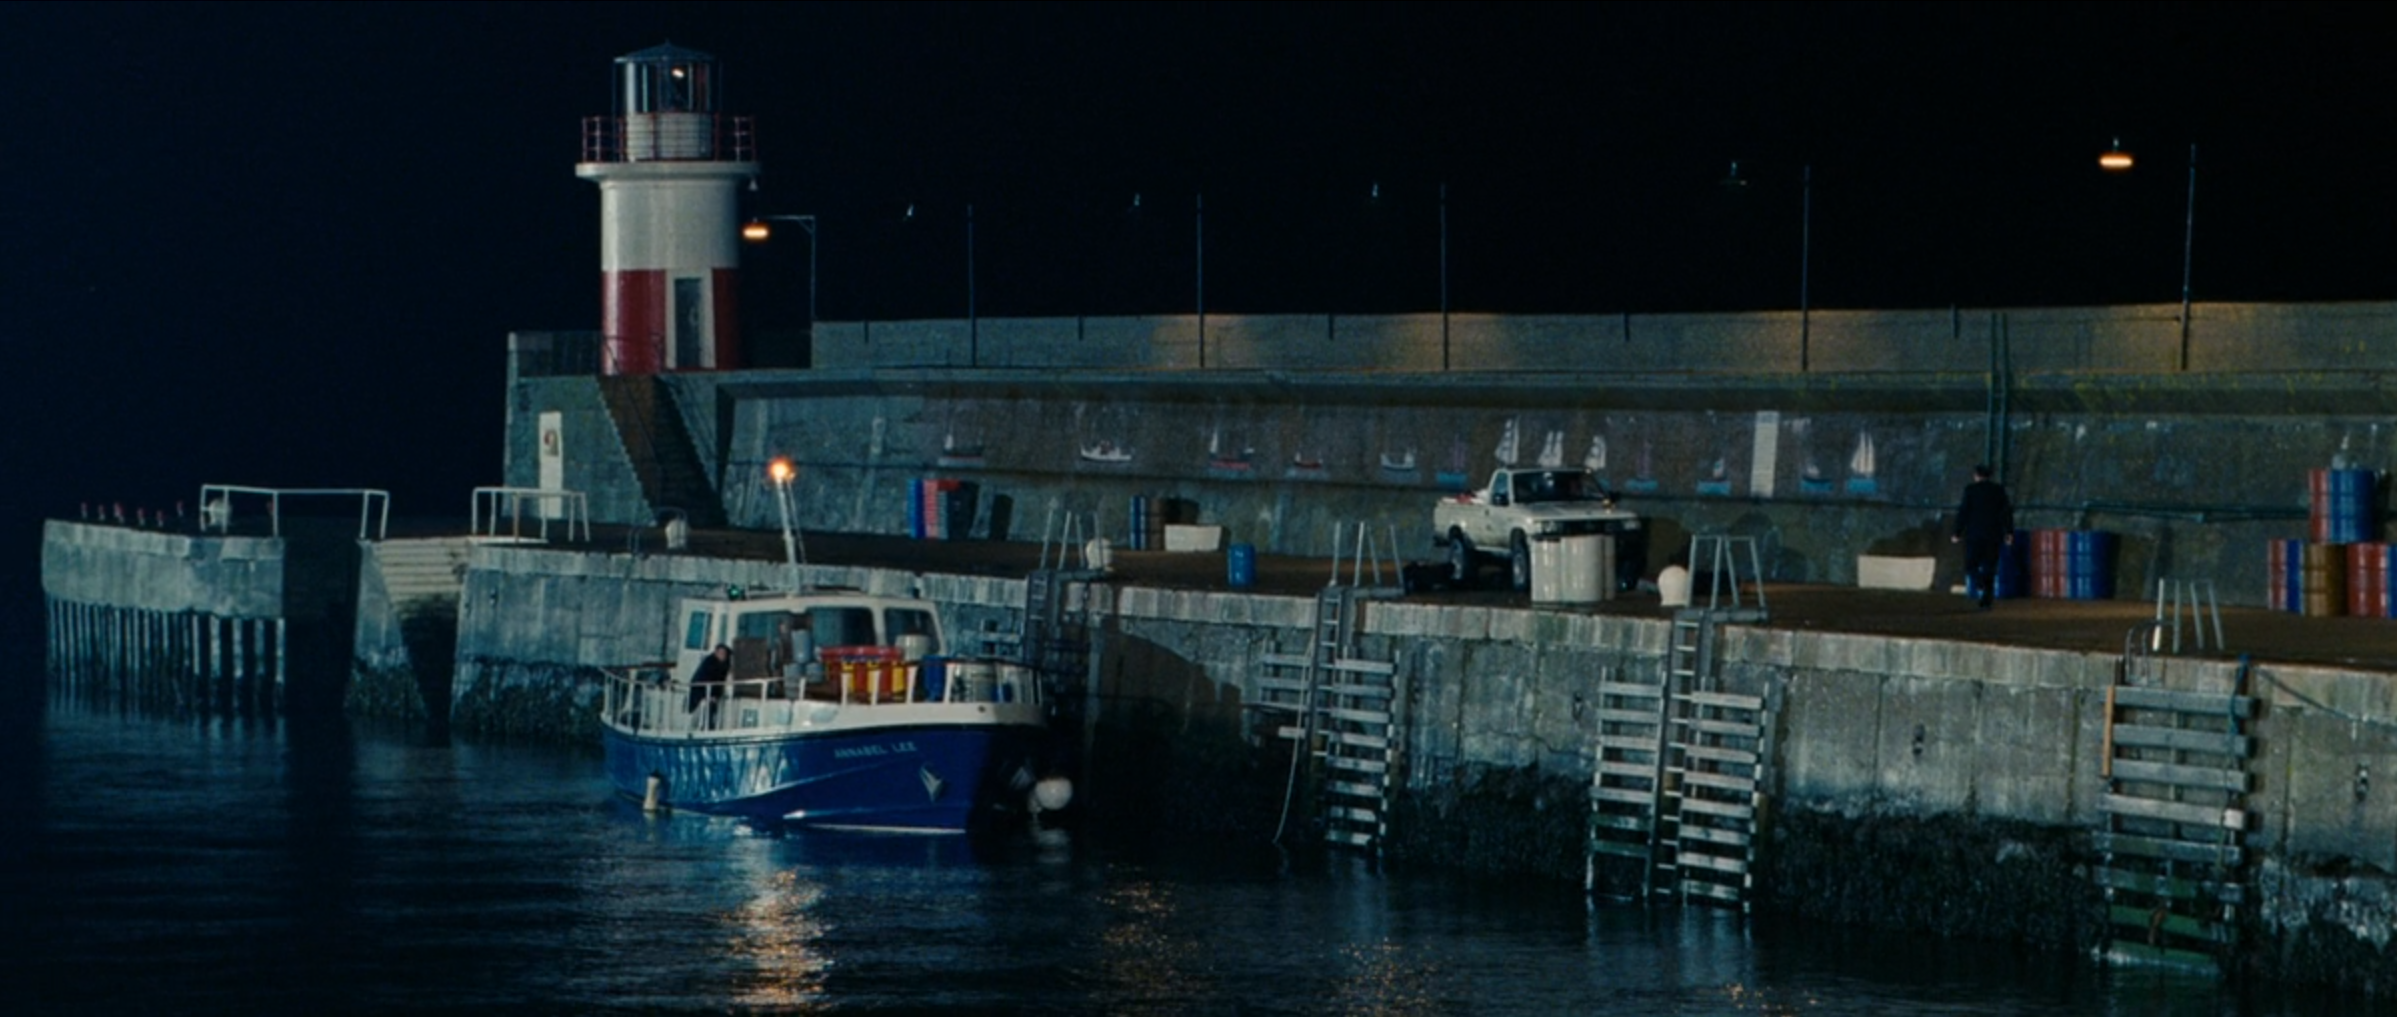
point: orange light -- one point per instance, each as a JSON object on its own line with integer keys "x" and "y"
{"x": 2114, "y": 160}
{"x": 756, "y": 231}
{"x": 781, "y": 470}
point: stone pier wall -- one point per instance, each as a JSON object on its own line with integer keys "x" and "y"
{"x": 1919, "y": 783}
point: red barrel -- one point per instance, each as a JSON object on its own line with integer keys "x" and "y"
{"x": 2280, "y": 574}
{"x": 2366, "y": 597}
{"x": 2051, "y": 565}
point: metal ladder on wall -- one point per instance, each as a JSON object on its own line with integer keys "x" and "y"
{"x": 1340, "y": 715}
{"x": 2176, "y": 783}
{"x": 1678, "y": 783}
{"x": 1054, "y": 641}
{"x": 1069, "y": 537}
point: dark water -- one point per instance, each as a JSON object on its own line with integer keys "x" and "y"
{"x": 154, "y": 865}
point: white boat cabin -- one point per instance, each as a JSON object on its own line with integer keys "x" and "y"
{"x": 785, "y": 635}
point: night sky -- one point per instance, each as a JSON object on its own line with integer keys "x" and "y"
{"x": 283, "y": 244}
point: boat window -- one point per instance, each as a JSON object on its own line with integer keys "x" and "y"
{"x": 842, "y": 626}
{"x": 694, "y": 635}
{"x": 897, "y": 622}
{"x": 758, "y": 624}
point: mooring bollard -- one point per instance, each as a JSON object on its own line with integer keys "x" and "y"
{"x": 653, "y": 798}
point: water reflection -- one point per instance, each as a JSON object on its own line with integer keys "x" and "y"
{"x": 172, "y": 865}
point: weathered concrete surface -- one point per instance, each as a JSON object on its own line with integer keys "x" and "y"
{"x": 304, "y": 583}
{"x": 233, "y": 577}
{"x": 2194, "y": 472}
{"x": 2130, "y": 339}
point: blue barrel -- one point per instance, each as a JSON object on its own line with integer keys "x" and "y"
{"x": 2089, "y": 565}
{"x": 932, "y": 678}
{"x": 2343, "y": 506}
{"x": 1141, "y": 511}
{"x": 1243, "y": 566}
{"x": 2013, "y": 570}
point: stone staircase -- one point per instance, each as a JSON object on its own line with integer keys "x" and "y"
{"x": 659, "y": 448}
{"x": 426, "y": 568}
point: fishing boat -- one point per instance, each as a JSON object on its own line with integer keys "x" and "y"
{"x": 828, "y": 709}
{"x": 1106, "y": 452}
{"x": 1454, "y": 477}
{"x": 1861, "y": 465}
{"x": 956, "y": 455}
{"x": 1552, "y": 450}
{"x": 1226, "y": 461}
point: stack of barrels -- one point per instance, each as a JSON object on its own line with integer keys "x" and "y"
{"x": 2070, "y": 564}
{"x": 1152, "y": 513}
{"x": 2340, "y": 569}
{"x": 940, "y": 509}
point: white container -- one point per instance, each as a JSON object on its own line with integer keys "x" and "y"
{"x": 1180, "y": 537}
{"x": 1877, "y": 572}
{"x": 1572, "y": 570}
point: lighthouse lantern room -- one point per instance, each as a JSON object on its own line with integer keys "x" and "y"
{"x": 669, "y": 167}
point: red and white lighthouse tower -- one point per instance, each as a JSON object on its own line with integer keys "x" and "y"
{"x": 669, "y": 168}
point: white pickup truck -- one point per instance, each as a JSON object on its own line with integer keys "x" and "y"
{"x": 1520, "y": 506}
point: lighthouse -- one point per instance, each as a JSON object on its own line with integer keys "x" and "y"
{"x": 669, "y": 167}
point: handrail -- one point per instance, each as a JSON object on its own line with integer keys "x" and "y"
{"x": 576, "y": 503}
{"x": 729, "y": 138}
{"x": 651, "y": 697}
{"x": 216, "y": 507}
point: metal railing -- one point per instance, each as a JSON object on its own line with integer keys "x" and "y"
{"x": 709, "y": 137}
{"x": 649, "y": 698}
{"x": 217, "y": 506}
{"x": 572, "y": 508}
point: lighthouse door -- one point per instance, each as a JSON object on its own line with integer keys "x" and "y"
{"x": 690, "y": 324}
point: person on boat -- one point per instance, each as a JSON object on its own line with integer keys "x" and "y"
{"x": 796, "y": 642}
{"x": 709, "y": 677}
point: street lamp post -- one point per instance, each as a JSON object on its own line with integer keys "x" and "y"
{"x": 1805, "y": 264}
{"x": 1443, "y": 277}
{"x": 1199, "y": 228}
{"x": 757, "y": 230}
{"x": 2117, "y": 160}
{"x": 973, "y": 320}
{"x": 1805, "y": 255}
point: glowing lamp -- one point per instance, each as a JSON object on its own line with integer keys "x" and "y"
{"x": 2114, "y": 160}
{"x": 756, "y": 231}
{"x": 781, "y": 470}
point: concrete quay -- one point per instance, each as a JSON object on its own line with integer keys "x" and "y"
{"x": 1934, "y": 768}
{"x": 1932, "y": 772}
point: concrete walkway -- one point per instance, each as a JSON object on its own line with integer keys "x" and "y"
{"x": 2090, "y": 626}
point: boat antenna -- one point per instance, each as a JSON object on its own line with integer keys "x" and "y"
{"x": 794, "y": 551}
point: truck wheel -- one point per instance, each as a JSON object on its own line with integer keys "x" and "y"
{"x": 1460, "y": 559}
{"x": 1519, "y": 549}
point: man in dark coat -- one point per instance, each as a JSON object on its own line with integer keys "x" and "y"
{"x": 1984, "y": 525}
{"x": 707, "y": 680}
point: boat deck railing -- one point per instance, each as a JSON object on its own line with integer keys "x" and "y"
{"x": 650, "y": 699}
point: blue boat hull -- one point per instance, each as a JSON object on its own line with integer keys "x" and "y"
{"x": 918, "y": 777}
